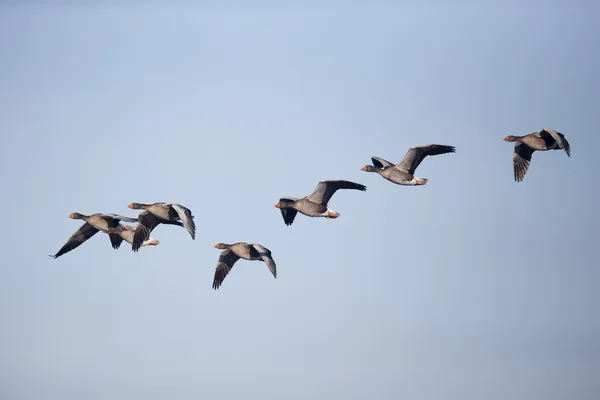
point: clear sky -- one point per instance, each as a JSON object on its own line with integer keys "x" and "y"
{"x": 471, "y": 287}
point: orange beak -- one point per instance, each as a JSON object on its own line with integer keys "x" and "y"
{"x": 506, "y": 139}
{"x": 216, "y": 246}
{"x": 277, "y": 205}
{"x": 364, "y": 168}
{"x": 130, "y": 206}
{"x": 72, "y": 215}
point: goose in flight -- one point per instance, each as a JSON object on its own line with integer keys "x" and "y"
{"x": 233, "y": 252}
{"x": 315, "y": 205}
{"x": 546, "y": 139}
{"x": 107, "y": 223}
{"x": 160, "y": 213}
{"x": 403, "y": 172}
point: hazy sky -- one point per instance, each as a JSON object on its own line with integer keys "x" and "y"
{"x": 471, "y": 287}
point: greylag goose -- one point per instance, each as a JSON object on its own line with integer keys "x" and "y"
{"x": 546, "y": 139}
{"x": 107, "y": 223}
{"x": 403, "y": 172}
{"x": 160, "y": 213}
{"x": 233, "y": 252}
{"x": 315, "y": 205}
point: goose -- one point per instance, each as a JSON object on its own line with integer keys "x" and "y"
{"x": 158, "y": 213}
{"x": 233, "y": 252}
{"x": 107, "y": 223}
{"x": 544, "y": 140}
{"x": 315, "y": 205}
{"x": 403, "y": 172}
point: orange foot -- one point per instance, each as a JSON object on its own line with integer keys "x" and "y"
{"x": 332, "y": 214}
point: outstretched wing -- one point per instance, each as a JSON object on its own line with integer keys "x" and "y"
{"x": 265, "y": 254}
{"x": 146, "y": 224}
{"x": 226, "y": 261}
{"x": 82, "y": 234}
{"x": 547, "y": 133}
{"x": 415, "y": 155}
{"x": 381, "y": 163}
{"x": 186, "y": 217}
{"x": 521, "y": 160}
{"x": 326, "y": 189}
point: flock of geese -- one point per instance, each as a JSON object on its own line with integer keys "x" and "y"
{"x": 313, "y": 205}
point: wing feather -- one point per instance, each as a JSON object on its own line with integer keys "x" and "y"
{"x": 186, "y": 217}
{"x": 521, "y": 160}
{"x": 381, "y": 163}
{"x": 225, "y": 264}
{"x": 79, "y": 237}
{"x": 326, "y": 189}
{"x": 265, "y": 254}
{"x": 146, "y": 224}
{"x": 415, "y": 155}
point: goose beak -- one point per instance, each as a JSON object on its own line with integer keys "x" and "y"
{"x": 505, "y": 139}
{"x": 216, "y": 246}
{"x": 130, "y": 206}
{"x": 72, "y": 215}
{"x": 277, "y": 205}
{"x": 364, "y": 168}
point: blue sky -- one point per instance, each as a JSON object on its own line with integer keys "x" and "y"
{"x": 473, "y": 286}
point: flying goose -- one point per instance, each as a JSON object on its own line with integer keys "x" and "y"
{"x": 107, "y": 223}
{"x": 233, "y": 252}
{"x": 546, "y": 139}
{"x": 403, "y": 172}
{"x": 160, "y": 213}
{"x": 315, "y": 205}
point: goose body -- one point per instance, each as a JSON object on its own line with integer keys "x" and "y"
{"x": 403, "y": 172}
{"x": 525, "y": 146}
{"x": 233, "y": 252}
{"x": 315, "y": 205}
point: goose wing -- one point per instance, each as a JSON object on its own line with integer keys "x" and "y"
{"x": 226, "y": 261}
{"x": 521, "y": 160}
{"x": 186, "y": 217}
{"x": 146, "y": 224}
{"x": 115, "y": 240}
{"x": 558, "y": 137}
{"x": 82, "y": 234}
{"x": 265, "y": 254}
{"x": 325, "y": 189}
{"x": 381, "y": 163}
{"x": 415, "y": 155}
{"x": 288, "y": 214}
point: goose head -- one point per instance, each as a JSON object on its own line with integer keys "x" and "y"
{"x": 369, "y": 168}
